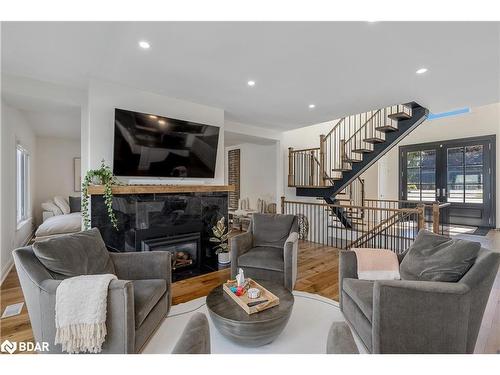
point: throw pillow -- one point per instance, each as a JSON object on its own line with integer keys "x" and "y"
{"x": 62, "y": 204}
{"x": 377, "y": 264}
{"x": 82, "y": 253}
{"x": 75, "y": 204}
{"x": 437, "y": 258}
{"x": 51, "y": 207}
{"x": 271, "y": 230}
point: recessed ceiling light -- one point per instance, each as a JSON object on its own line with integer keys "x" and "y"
{"x": 152, "y": 116}
{"x": 144, "y": 44}
{"x": 161, "y": 122}
{"x": 421, "y": 71}
{"x": 251, "y": 83}
{"x": 312, "y": 106}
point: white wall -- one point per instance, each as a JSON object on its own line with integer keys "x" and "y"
{"x": 54, "y": 170}
{"x": 484, "y": 120}
{"x": 258, "y": 170}
{"x": 98, "y": 123}
{"x": 14, "y": 128}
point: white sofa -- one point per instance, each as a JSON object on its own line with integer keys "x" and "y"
{"x": 57, "y": 219}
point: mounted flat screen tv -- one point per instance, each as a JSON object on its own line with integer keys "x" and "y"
{"x": 155, "y": 146}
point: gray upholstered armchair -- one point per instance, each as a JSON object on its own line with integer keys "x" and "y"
{"x": 195, "y": 338}
{"x": 406, "y": 316}
{"x": 137, "y": 302}
{"x": 268, "y": 250}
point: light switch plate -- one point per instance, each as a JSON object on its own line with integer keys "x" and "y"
{"x": 13, "y": 310}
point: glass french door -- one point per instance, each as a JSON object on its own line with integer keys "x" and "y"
{"x": 458, "y": 172}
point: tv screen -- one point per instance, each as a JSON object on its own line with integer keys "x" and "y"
{"x": 157, "y": 146}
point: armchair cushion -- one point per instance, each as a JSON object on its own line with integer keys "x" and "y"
{"x": 437, "y": 258}
{"x": 82, "y": 253}
{"x": 147, "y": 293}
{"x": 361, "y": 292}
{"x": 263, "y": 257}
{"x": 271, "y": 230}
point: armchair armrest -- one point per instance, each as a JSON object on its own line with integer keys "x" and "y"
{"x": 120, "y": 319}
{"x": 420, "y": 317}
{"x": 240, "y": 244}
{"x": 348, "y": 269}
{"x": 290, "y": 256}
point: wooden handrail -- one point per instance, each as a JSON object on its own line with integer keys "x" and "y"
{"x": 425, "y": 203}
{"x": 334, "y": 127}
{"x": 293, "y": 151}
{"x": 362, "y": 126}
{"x": 375, "y": 230}
{"x": 408, "y": 210}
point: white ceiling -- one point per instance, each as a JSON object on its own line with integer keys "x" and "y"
{"x": 234, "y": 139}
{"x": 47, "y": 118}
{"x": 342, "y": 67}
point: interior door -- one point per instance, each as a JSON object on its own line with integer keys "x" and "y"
{"x": 460, "y": 172}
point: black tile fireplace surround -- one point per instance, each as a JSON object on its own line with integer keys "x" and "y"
{"x": 145, "y": 221}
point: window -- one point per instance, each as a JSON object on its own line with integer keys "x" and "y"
{"x": 22, "y": 184}
{"x": 421, "y": 175}
{"x": 465, "y": 174}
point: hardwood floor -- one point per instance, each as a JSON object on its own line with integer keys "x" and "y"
{"x": 317, "y": 273}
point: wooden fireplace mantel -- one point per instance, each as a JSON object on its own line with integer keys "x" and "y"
{"x": 158, "y": 189}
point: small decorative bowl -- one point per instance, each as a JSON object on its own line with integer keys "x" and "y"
{"x": 253, "y": 293}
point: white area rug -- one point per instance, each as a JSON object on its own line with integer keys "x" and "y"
{"x": 305, "y": 333}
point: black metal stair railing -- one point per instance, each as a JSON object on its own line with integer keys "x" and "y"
{"x": 388, "y": 228}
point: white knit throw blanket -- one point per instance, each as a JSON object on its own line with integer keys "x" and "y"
{"x": 81, "y": 304}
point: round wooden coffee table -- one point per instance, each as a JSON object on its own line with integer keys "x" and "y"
{"x": 250, "y": 330}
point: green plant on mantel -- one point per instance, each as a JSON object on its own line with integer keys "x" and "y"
{"x": 102, "y": 176}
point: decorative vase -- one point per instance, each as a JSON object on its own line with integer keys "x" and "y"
{"x": 97, "y": 180}
{"x": 223, "y": 258}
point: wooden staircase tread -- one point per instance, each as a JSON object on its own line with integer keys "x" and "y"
{"x": 342, "y": 170}
{"x": 355, "y": 160}
{"x": 399, "y": 116}
{"x": 374, "y": 140}
{"x": 386, "y": 128}
{"x": 312, "y": 186}
{"x": 362, "y": 150}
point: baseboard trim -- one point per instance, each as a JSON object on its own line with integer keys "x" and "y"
{"x": 10, "y": 264}
{"x": 6, "y": 270}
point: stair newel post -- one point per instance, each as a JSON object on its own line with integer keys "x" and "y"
{"x": 435, "y": 217}
{"x": 311, "y": 169}
{"x": 362, "y": 182}
{"x": 322, "y": 160}
{"x": 290, "y": 167}
{"x": 421, "y": 216}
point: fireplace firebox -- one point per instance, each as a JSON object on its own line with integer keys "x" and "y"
{"x": 185, "y": 250}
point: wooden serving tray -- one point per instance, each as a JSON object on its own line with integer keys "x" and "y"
{"x": 243, "y": 299}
